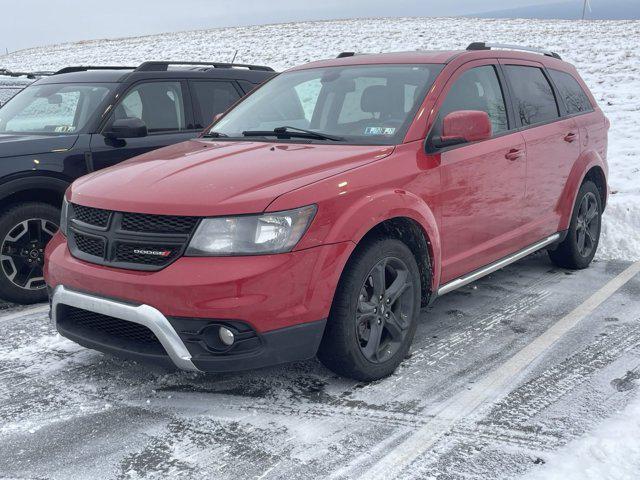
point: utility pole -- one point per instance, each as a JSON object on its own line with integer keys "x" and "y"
{"x": 584, "y": 8}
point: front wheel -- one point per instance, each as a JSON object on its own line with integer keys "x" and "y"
{"x": 375, "y": 312}
{"x": 579, "y": 246}
{"x": 25, "y": 231}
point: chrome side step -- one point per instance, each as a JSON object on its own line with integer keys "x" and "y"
{"x": 497, "y": 265}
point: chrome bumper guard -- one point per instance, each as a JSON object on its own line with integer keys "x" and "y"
{"x": 145, "y": 315}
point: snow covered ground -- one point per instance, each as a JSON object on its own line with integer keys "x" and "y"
{"x": 607, "y": 53}
{"x": 71, "y": 413}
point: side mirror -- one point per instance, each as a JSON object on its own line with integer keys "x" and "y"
{"x": 464, "y": 126}
{"x": 127, "y": 128}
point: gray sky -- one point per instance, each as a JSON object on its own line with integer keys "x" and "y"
{"x": 28, "y": 23}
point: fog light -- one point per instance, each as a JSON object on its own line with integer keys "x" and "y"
{"x": 226, "y": 336}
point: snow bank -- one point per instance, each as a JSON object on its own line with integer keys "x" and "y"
{"x": 610, "y": 452}
{"x": 607, "y": 54}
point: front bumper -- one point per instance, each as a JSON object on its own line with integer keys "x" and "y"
{"x": 278, "y": 302}
{"x": 284, "y": 345}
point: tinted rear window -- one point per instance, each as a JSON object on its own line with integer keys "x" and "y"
{"x": 575, "y": 99}
{"x": 532, "y": 95}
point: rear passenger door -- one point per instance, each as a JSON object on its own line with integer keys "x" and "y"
{"x": 553, "y": 144}
{"x": 482, "y": 183}
{"x": 162, "y": 105}
{"x": 212, "y": 97}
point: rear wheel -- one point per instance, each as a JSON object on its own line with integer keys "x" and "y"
{"x": 579, "y": 247}
{"x": 25, "y": 231}
{"x": 375, "y": 311}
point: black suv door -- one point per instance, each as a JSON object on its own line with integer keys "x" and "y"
{"x": 211, "y": 97}
{"x": 164, "y": 106}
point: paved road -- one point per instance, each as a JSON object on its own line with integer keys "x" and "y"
{"x": 67, "y": 412}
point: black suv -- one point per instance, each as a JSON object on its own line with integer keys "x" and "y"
{"x": 82, "y": 119}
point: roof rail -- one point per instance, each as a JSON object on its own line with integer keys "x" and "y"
{"x": 83, "y": 68}
{"x": 163, "y": 66}
{"x": 29, "y": 75}
{"x": 489, "y": 46}
{"x": 346, "y": 54}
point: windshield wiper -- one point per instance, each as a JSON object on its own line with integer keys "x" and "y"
{"x": 214, "y": 135}
{"x": 288, "y": 132}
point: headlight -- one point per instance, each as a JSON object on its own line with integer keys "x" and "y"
{"x": 64, "y": 216}
{"x": 251, "y": 234}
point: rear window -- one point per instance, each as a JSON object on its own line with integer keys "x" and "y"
{"x": 575, "y": 98}
{"x": 532, "y": 95}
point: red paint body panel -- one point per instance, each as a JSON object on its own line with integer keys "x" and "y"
{"x": 475, "y": 203}
{"x": 215, "y": 178}
{"x": 268, "y": 292}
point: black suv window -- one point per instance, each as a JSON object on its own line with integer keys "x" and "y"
{"x": 476, "y": 89}
{"x": 575, "y": 99}
{"x": 213, "y": 98}
{"x": 533, "y": 96}
{"x": 160, "y": 105}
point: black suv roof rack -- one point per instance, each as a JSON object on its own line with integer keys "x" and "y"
{"x": 346, "y": 54}
{"x": 85, "y": 68}
{"x": 163, "y": 66}
{"x": 489, "y": 46}
{"x": 29, "y": 75}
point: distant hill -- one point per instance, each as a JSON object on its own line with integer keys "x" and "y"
{"x": 571, "y": 10}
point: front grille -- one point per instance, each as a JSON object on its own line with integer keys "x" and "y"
{"x": 138, "y": 222}
{"x": 134, "y": 241}
{"x": 105, "y": 329}
{"x": 89, "y": 245}
{"x": 91, "y": 216}
{"x": 146, "y": 254}
{"x": 109, "y": 325}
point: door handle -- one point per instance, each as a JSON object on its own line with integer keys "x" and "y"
{"x": 514, "y": 154}
{"x": 570, "y": 137}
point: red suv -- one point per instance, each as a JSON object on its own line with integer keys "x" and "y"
{"x": 322, "y": 211}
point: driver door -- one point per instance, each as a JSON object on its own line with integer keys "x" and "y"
{"x": 165, "y": 109}
{"x": 483, "y": 183}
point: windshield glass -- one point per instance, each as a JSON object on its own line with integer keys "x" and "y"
{"x": 371, "y": 104}
{"x": 52, "y": 108}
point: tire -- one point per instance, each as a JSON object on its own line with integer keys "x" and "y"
{"x": 358, "y": 316}
{"x": 25, "y": 230}
{"x": 579, "y": 246}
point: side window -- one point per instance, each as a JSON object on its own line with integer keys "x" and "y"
{"x": 532, "y": 94}
{"x": 160, "y": 105}
{"x": 213, "y": 98}
{"x": 575, "y": 99}
{"x": 476, "y": 89}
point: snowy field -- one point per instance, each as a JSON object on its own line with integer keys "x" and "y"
{"x": 572, "y": 413}
{"x": 607, "y": 53}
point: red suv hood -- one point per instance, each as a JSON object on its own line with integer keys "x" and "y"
{"x": 203, "y": 178}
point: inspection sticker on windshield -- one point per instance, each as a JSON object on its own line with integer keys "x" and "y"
{"x": 379, "y": 130}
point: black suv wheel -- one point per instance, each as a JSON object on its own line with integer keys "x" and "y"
{"x": 375, "y": 312}
{"x": 25, "y": 230}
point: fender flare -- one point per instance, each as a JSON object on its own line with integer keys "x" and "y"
{"x": 33, "y": 182}
{"x": 373, "y": 209}
{"x": 579, "y": 170}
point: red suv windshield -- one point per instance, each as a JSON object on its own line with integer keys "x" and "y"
{"x": 371, "y": 104}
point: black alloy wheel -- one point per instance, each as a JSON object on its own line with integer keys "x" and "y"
{"x": 579, "y": 246}
{"x": 385, "y": 305}
{"x": 375, "y": 311}
{"x": 587, "y": 224}
{"x": 25, "y": 231}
